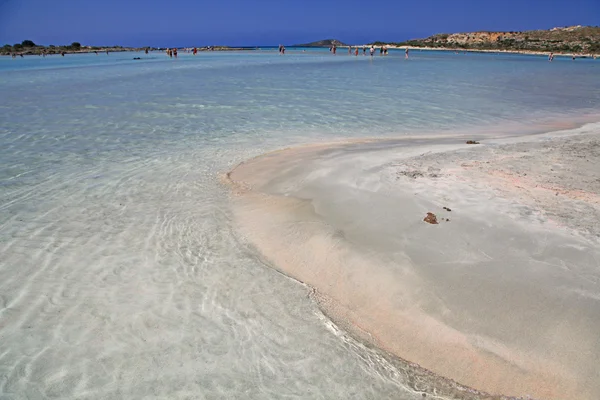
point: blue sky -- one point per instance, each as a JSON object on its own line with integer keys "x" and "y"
{"x": 264, "y": 22}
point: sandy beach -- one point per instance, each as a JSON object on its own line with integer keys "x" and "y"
{"x": 491, "y": 51}
{"x": 501, "y": 294}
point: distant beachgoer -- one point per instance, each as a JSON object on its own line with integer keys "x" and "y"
{"x": 551, "y": 56}
{"x": 406, "y": 53}
{"x": 175, "y": 52}
{"x": 23, "y": 57}
{"x": 356, "y": 51}
{"x": 372, "y": 51}
{"x": 62, "y": 53}
{"x": 349, "y": 50}
{"x": 385, "y": 51}
{"x": 282, "y": 50}
{"x": 195, "y": 51}
{"x": 146, "y": 51}
{"x": 364, "y": 50}
{"x": 573, "y": 58}
{"x": 334, "y": 49}
{"x": 381, "y": 51}
{"x": 106, "y": 52}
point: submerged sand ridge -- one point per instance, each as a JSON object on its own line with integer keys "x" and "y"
{"x": 503, "y": 297}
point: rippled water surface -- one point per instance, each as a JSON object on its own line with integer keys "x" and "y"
{"x": 121, "y": 273}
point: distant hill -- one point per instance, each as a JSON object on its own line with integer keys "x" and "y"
{"x": 322, "y": 43}
{"x": 574, "y": 39}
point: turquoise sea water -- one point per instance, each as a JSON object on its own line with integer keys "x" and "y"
{"x": 121, "y": 274}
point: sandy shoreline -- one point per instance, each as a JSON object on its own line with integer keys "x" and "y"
{"x": 462, "y": 50}
{"x": 497, "y": 51}
{"x": 502, "y": 295}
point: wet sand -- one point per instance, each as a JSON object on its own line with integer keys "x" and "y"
{"x": 502, "y": 295}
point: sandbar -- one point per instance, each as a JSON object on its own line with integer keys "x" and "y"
{"x": 502, "y": 295}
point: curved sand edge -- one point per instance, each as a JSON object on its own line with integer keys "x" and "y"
{"x": 377, "y": 292}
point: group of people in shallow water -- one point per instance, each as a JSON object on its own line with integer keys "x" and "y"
{"x": 193, "y": 50}
{"x": 551, "y": 57}
{"x": 383, "y": 51}
{"x": 172, "y": 52}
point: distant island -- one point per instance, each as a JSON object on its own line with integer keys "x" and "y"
{"x": 565, "y": 40}
{"x": 322, "y": 43}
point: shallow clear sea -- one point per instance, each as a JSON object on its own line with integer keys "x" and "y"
{"x": 121, "y": 272}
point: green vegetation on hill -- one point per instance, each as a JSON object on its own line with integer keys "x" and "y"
{"x": 571, "y": 40}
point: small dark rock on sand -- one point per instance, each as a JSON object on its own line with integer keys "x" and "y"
{"x": 431, "y": 219}
{"x": 447, "y": 209}
{"x": 412, "y": 174}
{"x": 472, "y": 142}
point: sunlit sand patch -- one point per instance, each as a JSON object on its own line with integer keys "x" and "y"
{"x": 385, "y": 297}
